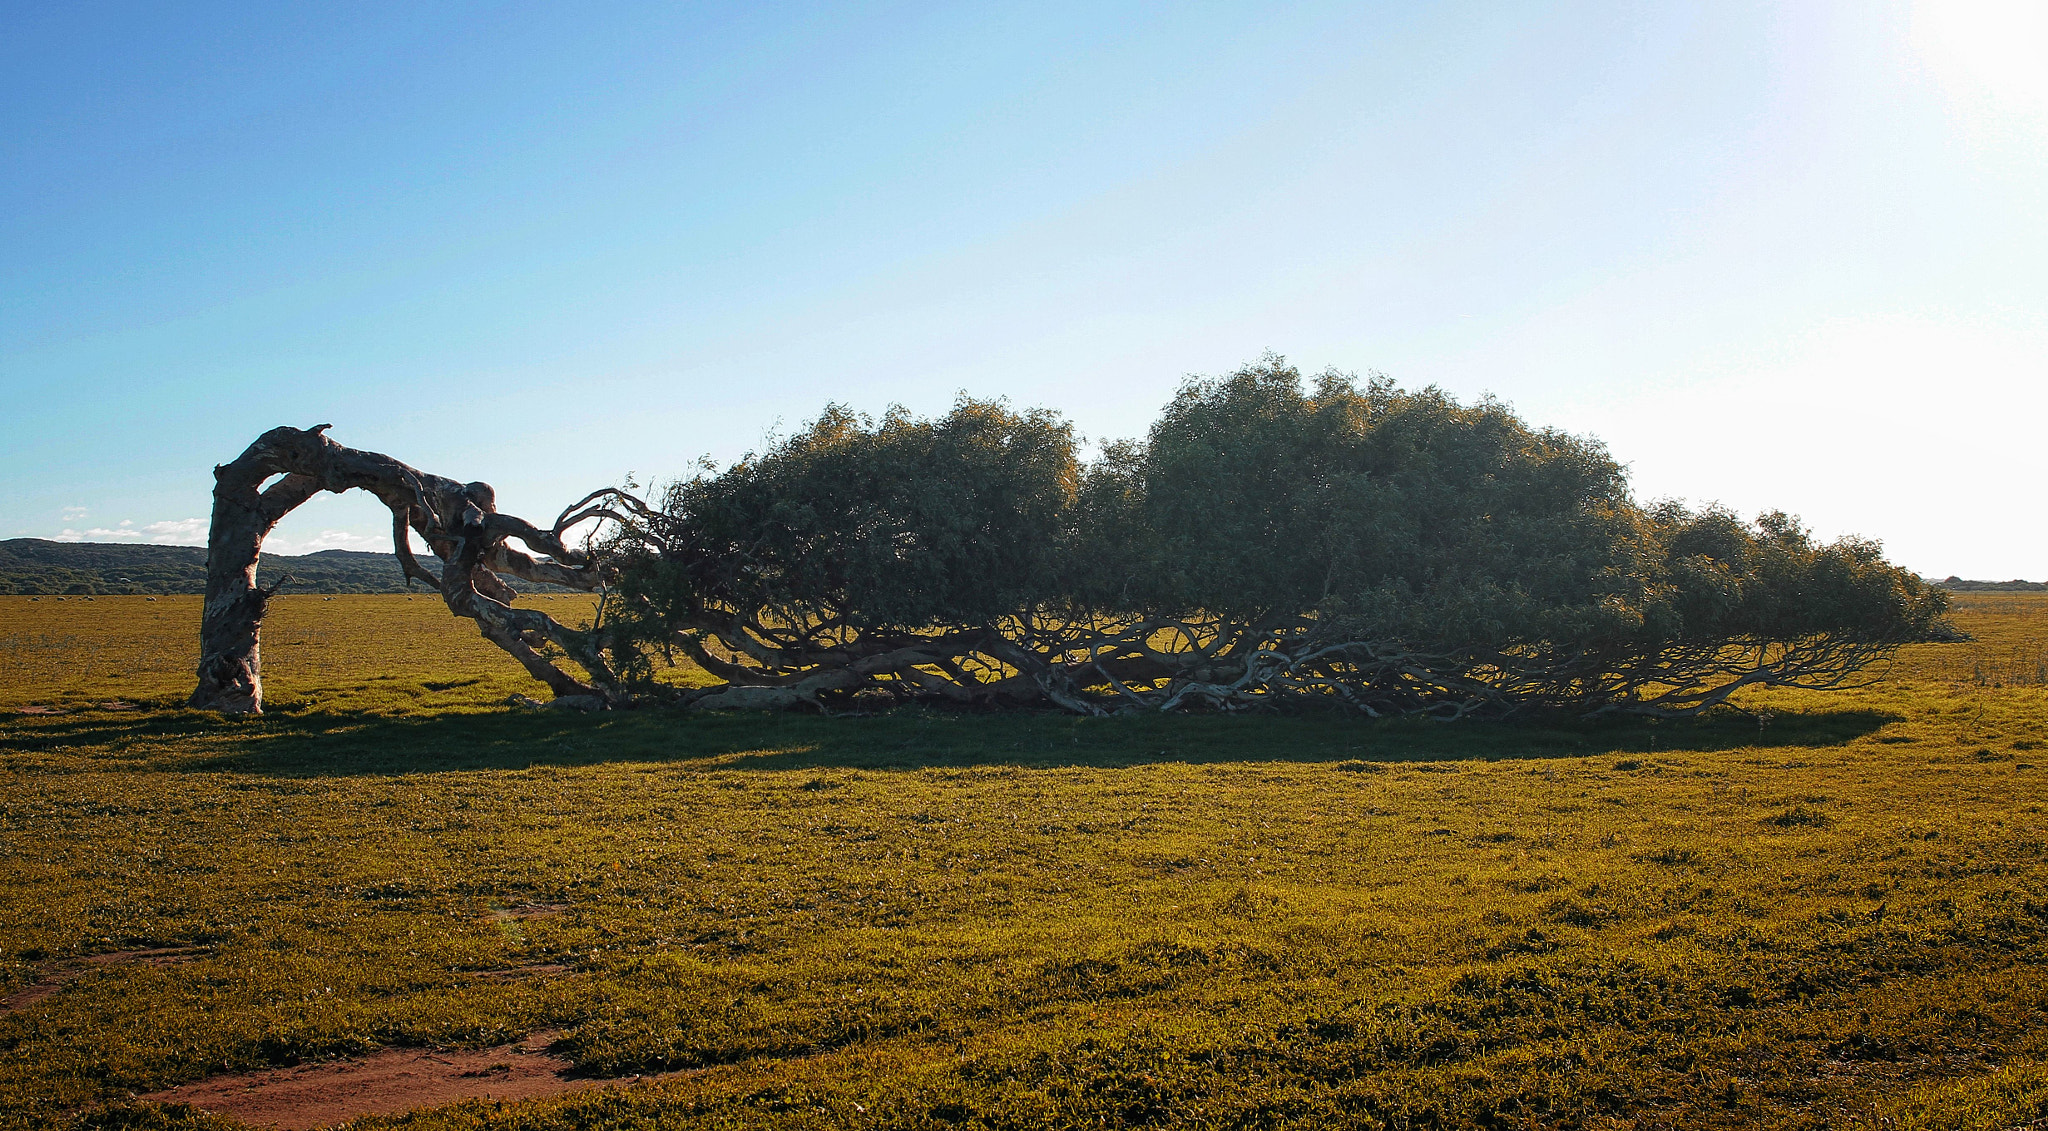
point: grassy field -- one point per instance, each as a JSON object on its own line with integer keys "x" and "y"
{"x": 1831, "y": 912}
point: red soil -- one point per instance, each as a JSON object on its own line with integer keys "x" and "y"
{"x": 387, "y": 1083}
{"x": 55, "y": 976}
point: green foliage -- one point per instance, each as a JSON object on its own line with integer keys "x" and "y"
{"x": 901, "y": 523}
{"x": 1712, "y": 577}
{"x": 1384, "y": 513}
{"x": 1266, "y": 544}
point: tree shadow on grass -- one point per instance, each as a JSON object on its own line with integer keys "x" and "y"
{"x": 335, "y": 744}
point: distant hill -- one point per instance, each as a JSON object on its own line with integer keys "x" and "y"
{"x": 34, "y": 565}
{"x": 1958, "y": 585}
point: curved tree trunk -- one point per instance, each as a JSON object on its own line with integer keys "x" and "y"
{"x": 458, "y": 521}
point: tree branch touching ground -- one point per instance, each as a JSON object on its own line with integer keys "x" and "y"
{"x": 1266, "y": 547}
{"x": 458, "y": 522}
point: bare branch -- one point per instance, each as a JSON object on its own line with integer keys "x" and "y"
{"x": 459, "y": 521}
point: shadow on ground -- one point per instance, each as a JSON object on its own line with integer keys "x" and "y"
{"x": 328, "y": 744}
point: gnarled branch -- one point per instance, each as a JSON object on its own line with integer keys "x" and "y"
{"x": 459, "y": 522}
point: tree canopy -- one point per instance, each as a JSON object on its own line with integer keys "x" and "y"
{"x": 1270, "y": 543}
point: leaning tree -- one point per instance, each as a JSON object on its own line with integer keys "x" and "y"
{"x": 459, "y": 522}
{"x": 1267, "y": 546}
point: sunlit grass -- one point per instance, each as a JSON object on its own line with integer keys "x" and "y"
{"x": 1831, "y": 912}
{"x": 318, "y": 652}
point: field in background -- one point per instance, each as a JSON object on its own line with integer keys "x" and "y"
{"x": 319, "y": 653}
{"x": 1833, "y": 912}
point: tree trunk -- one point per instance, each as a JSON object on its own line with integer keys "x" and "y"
{"x": 458, "y": 521}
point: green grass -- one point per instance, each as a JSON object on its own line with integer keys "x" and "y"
{"x": 1836, "y": 918}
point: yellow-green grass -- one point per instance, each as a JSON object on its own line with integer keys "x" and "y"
{"x": 1833, "y": 912}
{"x": 319, "y": 653}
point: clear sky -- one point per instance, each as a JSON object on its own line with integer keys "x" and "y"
{"x": 1776, "y": 255}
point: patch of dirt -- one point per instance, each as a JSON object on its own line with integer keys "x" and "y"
{"x": 37, "y": 710}
{"x": 35, "y": 991}
{"x": 387, "y": 1083}
{"x": 56, "y": 975}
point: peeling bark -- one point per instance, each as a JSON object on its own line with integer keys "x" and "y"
{"x": 459, "y": 522}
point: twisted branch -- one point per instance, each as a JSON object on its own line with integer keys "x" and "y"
{"x": 1091, "y": 665}
{"x": 459, "y": 523}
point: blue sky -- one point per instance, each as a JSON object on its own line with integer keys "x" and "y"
{"x": 1775, "y": 255}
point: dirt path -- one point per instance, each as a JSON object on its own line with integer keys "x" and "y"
{"x": 57, "y": 975}
{"x": 387, "y": 1083}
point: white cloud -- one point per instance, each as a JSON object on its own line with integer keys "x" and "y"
{"x": 327, "y": 540}
{"x": 177, "y": 532}
{"x": 173, "y": 532}
{"x": 1991, "y": 51}
{"x": 73, "y": 514}
{"x": 192, "y": 532}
